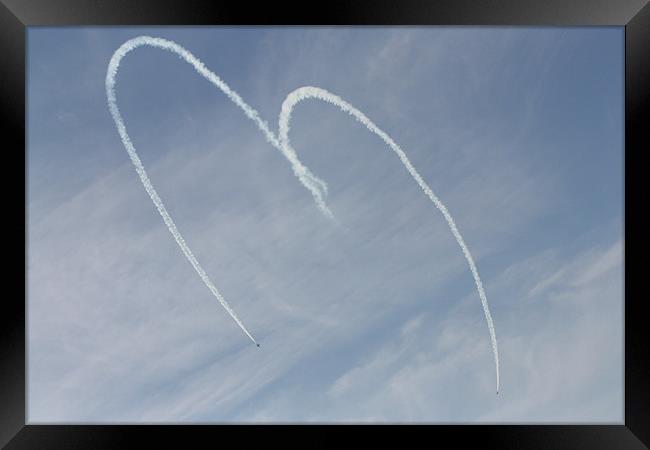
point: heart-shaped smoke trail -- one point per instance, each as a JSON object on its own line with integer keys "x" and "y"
{"x": 317, "y": 187}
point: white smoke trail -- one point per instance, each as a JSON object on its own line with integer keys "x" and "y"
{"x": 307, "y": 92}
{"x": 119, "y": 122}
{"x": 317, "y": 187}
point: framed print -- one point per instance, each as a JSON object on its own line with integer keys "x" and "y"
{"x": 414, "y": 219}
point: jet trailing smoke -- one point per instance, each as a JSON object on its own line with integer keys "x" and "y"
{"x": 317, "y": 187}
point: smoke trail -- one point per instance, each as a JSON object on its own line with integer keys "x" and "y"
{"x": 307, "y": 92}
{"x": 119, "y": 122}
{"x": 317, "y": 187}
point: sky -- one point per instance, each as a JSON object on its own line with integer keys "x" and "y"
{"x": 372, "y": 318}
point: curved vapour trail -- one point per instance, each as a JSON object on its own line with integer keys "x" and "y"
{"x": 317, "y": 187}
{"x": 308, "y": 92}
{"x": 113, "y": 66}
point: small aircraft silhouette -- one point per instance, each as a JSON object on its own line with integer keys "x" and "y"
{"x": 258, "y": 345}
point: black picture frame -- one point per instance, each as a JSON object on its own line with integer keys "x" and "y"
{"x": 17, "y": 15}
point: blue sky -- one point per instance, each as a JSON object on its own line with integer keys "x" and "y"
{"x": 519, "y": 131}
